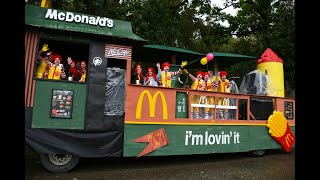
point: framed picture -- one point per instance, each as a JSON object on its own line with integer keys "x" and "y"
{"x": 288, "y": 109}
{"x": 61, "y": 104}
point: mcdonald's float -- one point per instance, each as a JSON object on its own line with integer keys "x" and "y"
{"x": 96, "y": 109}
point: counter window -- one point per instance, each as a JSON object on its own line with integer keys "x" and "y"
{"x": 261, "y": 108}
{"x": 62, "y": 60}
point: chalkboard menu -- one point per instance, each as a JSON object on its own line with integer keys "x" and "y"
{"x": 61, "y": 104}
{"x": 288, "y": 109}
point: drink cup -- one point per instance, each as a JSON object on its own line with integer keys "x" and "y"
{"x": 61, "y": 66}
{"x": 179, "y": 108}
{"x": 137, "y": 82}
{"x": 70, "y": 78}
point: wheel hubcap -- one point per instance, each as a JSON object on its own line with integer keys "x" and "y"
{"x": 260, "y": 152}
{"x": 59, "y": 159}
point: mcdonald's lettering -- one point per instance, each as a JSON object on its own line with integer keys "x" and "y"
{"x": 152, "y": 104}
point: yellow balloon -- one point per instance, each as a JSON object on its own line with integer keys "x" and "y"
{"x": 204, "y": 61}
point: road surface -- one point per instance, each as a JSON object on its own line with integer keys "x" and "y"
{"x": 275, "y": 165}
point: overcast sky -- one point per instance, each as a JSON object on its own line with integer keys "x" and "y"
{"x": 229, "y": 10}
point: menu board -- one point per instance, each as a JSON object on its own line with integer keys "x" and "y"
{"x": 288, "y": 109}
{"x": 61, "y": 104}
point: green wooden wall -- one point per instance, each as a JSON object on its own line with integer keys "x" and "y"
{"x": 42, "y": 104}
{"x": 250, "y": 138}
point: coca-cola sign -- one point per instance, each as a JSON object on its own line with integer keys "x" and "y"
{"x": 119, "y": 52}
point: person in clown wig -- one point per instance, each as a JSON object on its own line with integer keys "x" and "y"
{"x": 212, "y": 86}
{"x": 224, "y": 87}
{"x": 151, "y": 78}
{"x": 197, "y": 84}
{"x": 137, "y": 76}
{"x": 44, "y": 55}
{"x": 56, "y": 70}
{"x": 83, "y": 71}
{"x": 166, "y": 75}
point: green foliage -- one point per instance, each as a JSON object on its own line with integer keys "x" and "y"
{"x": 240, "y": 70}
{"x": 155, "y": 20}
{"x": 260, "y": 24}
{"x": 195, "y": 25}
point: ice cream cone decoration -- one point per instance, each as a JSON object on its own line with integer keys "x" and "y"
{"x": 280, "y": 130}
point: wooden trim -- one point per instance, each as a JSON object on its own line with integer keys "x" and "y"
{"x": 31, "y": 41}
{"x": 251, "y": 115}
{"x": 248, "y": 108}
{"x": 237, "y": 110}
{"x": 173, "y": 59}
{"x": 26, "y": 62}
{"x": 128, "y": 69}
{"x": 32, "y": 63}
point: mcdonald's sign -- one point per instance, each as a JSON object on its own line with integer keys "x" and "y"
{"x": 152, "y": 104}
{"x": 289, "y": 140}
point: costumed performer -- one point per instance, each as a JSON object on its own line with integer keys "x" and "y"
{"x": 224, "y": 87}
{"x": 137, "y": 75}
{"x": 151, "y": 78}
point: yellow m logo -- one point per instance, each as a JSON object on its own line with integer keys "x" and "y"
{"x": 288, "y": 139}
{"x": 152, "y": 104}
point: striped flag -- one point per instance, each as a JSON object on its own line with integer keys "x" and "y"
{"x": 155, "y": 140}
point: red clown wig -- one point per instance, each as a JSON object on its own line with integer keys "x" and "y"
{"x": 135, "y": 68}
{"x": 165, "y": 64}
{"x": 73, "y": 70}
{"x": 153, "y": 74}
{"x": 223, "y": 73}
{"x": 206, "y": 74}
{"x": 199, "y": 73}
{"x": 56, "y": 56}
{"x": 136, "y": 71}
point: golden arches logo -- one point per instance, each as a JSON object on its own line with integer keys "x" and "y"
{"x": 152, "y": 104}
{"x": 288, "y": 139}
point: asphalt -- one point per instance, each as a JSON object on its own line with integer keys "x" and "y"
{"x": 275, "y": 165}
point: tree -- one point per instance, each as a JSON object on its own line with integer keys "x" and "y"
{"x": 260, "y": 24}
{"x": 196, "y": 25}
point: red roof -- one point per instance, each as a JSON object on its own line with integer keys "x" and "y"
{"x": 269, "y": 56}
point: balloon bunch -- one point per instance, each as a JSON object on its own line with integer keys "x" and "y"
{"x": 206, "y": 59}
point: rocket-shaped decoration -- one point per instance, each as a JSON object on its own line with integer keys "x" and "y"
{"x": 272, "y": 65}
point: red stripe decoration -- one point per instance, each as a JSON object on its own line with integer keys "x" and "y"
{"x": 31, "y": 40}
{"x": 118, "y": 52}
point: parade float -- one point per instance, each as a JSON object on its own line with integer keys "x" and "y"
{"x": 106, "y": 115}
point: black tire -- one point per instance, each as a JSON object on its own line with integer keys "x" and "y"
{"x": 58, "y": 163}
{"x": 258, "y": 153}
